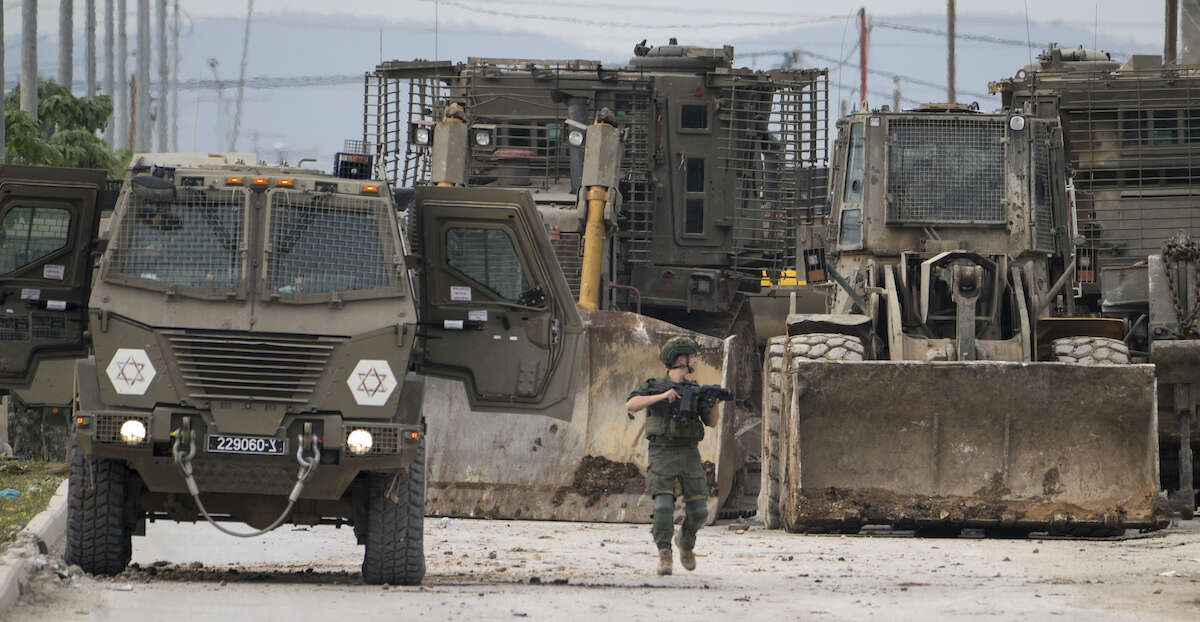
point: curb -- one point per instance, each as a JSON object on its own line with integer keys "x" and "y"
{"x": 46, "y": 531}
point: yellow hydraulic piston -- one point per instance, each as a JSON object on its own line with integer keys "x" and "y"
{"x": 593, "y": 248}
{"x": 601, "y": 166}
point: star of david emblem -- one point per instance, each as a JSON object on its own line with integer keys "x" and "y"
{"x": 374, "y": 379}
{"x": 371, "y": 382}
{"x": 131, "y": 377}
{"x": 130, "y": 371}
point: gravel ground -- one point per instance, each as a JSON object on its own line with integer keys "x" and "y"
{"x": 504, "y": 570}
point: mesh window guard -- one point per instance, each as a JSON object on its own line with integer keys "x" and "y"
{"x": 30, "y": 233}
{"x": 194, "y": 241}
{"x": 489, "y": 258}
{"x": 945, "y": 171}
{"x": 327, "y": 243}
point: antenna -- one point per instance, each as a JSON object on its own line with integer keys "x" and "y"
{"x": 1028, "y": 43}
{"x": 1096, "y": 30}
{"x": 435, "y": 29}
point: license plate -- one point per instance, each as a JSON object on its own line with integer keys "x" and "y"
{"x": 224, "y": 443}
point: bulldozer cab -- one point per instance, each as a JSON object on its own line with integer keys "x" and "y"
{"x": 499, "y": 314}
{"x": 48, "y": 221}
{"x": 962, "y": 214}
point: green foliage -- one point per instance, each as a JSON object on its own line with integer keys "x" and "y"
{"x": 64, "y": 133}
{"x": 42, "y": 478}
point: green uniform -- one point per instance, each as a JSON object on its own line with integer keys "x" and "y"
{"x": 674, "y": 457}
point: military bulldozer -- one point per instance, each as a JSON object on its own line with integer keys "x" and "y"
{"x": 1131, "y": 134}
{"x": 253, "y": 342}
{"x": 938, "y": 391}
{"x": 671, "y": 189}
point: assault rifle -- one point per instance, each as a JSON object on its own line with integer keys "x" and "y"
{"x": 694, "y": 399}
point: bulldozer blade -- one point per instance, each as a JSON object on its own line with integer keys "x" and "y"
{"x": 1067, "y": 448}
{"x": 593, "y": 468}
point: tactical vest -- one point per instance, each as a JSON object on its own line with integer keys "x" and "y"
{"x": 663, "y": 428}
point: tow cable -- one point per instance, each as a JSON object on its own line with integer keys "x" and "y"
{"x": 184, "y": 461}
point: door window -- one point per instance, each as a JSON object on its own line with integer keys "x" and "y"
{"x": 488, "y": 257}
{"x": 853, "y": 191}
{"x": 693, "y": 206}
{"x": 28, "y": 234}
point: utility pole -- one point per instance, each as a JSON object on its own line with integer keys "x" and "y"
{"x": 3, "y": 135}
{"x": 862, "y": 58}
{"x": 122, "y": 90}
{"x": 175, "y": 82}
{"x": 108, "y": 68}
{"x": 29, "y": 75}
{"x": 950, "y": 21}
{"x": 89, "y": 71}
{"x": 1172, "y": 25}
{"x": 133, "y": 106}
{"x": 237, "y": 116}
{"x": 1189, "y": 32}
{"x": 163, "y": 76}
{"x": 142, "y": 110}
{"x": 896, "y": 93}
{"x": 66, "y": 43}
{"x": 212, "y": 64}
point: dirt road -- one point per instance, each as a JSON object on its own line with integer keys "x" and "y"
{"x": 505, "y": 570}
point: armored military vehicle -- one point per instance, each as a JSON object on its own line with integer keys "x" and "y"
{"x": 718, "y": 165}
{"x": 257, "y": 342}
{"x": 921, "y": 398}
{"x": 1131, "y": 132}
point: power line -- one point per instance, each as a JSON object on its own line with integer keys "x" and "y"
{"x": 636, "y": 25}
{"x": 969, "y": 37}
{"x": 878, "y": 72}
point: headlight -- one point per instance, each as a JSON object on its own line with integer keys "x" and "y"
{"x": 133, "y": 432}
{"x": 421, "y": 135}
{"x": 359, "y": 442}
{"x": 575, "y": 137}
{"x": 1016, "y": 123}
{"x": 483, "y": 138}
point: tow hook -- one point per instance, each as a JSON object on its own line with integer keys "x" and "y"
{"x": 183, "y": 448}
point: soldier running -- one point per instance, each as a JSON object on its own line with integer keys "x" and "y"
{"x": 674, "y": 454}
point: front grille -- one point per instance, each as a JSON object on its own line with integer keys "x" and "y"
{"x": 251, "y": 366}
{"x": 14, "y": 328}
{"x": 945, "y": 171}
{"x": 385, "y": 439}
{"x": 108, "y": 428}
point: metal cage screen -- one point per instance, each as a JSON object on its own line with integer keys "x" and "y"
{"x": 323, "y": 243}
{"x": 945, "y": 171}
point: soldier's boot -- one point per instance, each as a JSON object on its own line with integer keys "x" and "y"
{"x": 687, "y": 556}
{"x": 666, "y": 561}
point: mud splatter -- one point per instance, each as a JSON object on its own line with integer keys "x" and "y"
{"x": 1051, "y": 483}
{"x": 598, "y": 476}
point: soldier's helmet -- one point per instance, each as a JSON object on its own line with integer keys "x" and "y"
{"x": 676, "y": 346}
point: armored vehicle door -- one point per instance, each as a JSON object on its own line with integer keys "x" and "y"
{"x": 497, "y": 312}
{"x": 48, "y": 220}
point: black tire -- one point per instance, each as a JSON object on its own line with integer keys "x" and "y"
{"x": 825, "y": 347}
{"x": 772, "y": 416}
{"x": 1091, "y": 351}
{"x": 395, "y": 551}
{"x": 99, "y": 538}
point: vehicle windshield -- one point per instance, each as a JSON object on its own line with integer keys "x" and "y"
{"x": 325, "y": 243}
{"x": 192, "y": 241}
{"x": 945, "y": 170}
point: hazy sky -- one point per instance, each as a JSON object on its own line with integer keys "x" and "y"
{"x": 610, "y": 25}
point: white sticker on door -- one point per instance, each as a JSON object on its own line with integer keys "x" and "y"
{"x": 477, "y": 316}
{"x": 460, "y": 294}
{"x": 31, "y": 294}
{"x": 54, "y": 271}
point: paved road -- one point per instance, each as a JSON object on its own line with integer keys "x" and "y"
{"x": 506, "y": 570}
